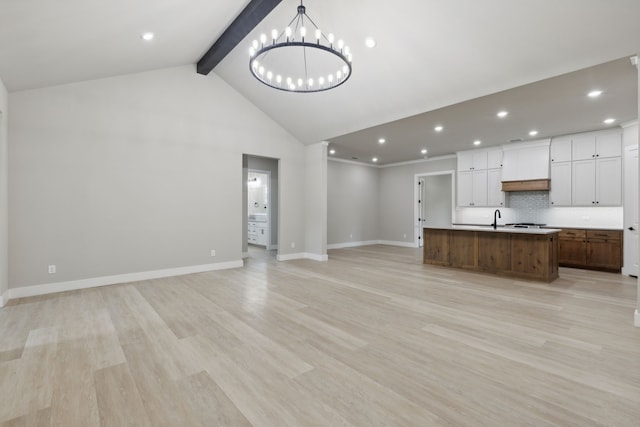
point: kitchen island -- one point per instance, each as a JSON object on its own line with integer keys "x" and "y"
{"x": 530, "y": 253}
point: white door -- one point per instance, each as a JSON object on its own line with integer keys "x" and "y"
{"x": 435, "y": 198}
{"x": 630, "y": 266}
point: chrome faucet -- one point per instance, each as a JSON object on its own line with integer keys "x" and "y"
{"x": 495, "y": 220}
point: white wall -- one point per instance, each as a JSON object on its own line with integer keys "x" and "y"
{"x": 352, "y": 203}
{"x": 4, "y": 176}
{"x": 315, "y": 198}
{"x": 397, "y": 198}
{"x": 138, "y": 173}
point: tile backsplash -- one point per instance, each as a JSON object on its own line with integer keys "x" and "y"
{"x": 533, "y": 206}
{"x": 528, "y": 206}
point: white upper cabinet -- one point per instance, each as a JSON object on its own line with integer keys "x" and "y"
{"x": 526, "y": 161}
{"x": 594, "y": 145}
{"x": 479, "y": 178}
{"x": 609, "y": 145}
{"x": 495, "y": 195}
{"x": 584, "y": 147}
{"x": 561, "y": 150}
{"x": 472, "y": 160}
{"x": 609, "y": 181}
{"x": 494, "y": 159}
{"x": 560, "y": 194}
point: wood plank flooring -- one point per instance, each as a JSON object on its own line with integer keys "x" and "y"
{"x": 370, "y": 338}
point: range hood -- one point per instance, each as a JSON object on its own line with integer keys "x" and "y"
{"x": 527, "y": 185}
{"x": 525, "y": 166}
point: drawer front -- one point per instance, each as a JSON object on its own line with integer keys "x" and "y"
{"x": 572, "y": 233}
{"x": 603, "y": 234}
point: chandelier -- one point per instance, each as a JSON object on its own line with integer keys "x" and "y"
{"x": 301, "y": 58}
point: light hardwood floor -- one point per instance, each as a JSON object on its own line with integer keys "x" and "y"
{"x": 370, "y": 338}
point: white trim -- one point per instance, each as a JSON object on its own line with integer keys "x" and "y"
{"x": 390, "y": 165}
{"x": 636, "y": 318}
{"x": 628, "y": 124}
{"x": 352, "y": 244}
{"x": 317, "y": 257}
{"x": 302, "y": 255}
{"x": 289, "y": 257}
{"x": 49, "y": 288}
{"x": 411, "y": 162}
{"x": 546, "y": 142}
{"x": 352, "y": 162}
{"x": 4, "y": 298}
{"x": 403, "y": 244}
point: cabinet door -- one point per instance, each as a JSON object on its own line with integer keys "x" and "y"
{"x": 572, "y": 252}
{"x": 560, "y": 194}
{"x": 479, "y": 188}
{"x": 479, "y": 160}
{"x": 583, "y": 191}
{"x": 603, "y": 253}
{"x": 495, "y": 195}
{"x": 535, "y": 161}
{"x": 609, "y": 145}
{"x": 608, "y": 181}
{"x": 561, "y": 150}
{"x": 465, "y": 188}
{"x": 494, "y": 159}
{"x": 583, "y": 147}
{"x": 465, "y": 161}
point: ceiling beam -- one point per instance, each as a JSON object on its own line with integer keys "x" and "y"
{"x": 246, "y": 21}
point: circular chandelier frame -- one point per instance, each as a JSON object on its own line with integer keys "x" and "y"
{"x": 286, "y": 39}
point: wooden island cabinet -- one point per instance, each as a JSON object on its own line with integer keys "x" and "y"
{"x": 593, "y": 249}
{"x": 526, "y": 253}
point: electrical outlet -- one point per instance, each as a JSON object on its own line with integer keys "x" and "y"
{"x": 52, "y": 269}
{"x": 293, "y": 245}
{"x": 213, "y": 252}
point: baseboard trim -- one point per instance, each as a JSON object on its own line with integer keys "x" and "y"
{"x": 371, "y": 242}
{"x": 302, "y": 255}
{"x": 50, "y": 288}
{"x": 394, "y": 243}
{"x": 351, "y": 244}
{"x": 636, "y": 318}
{"x": 289, "y": 257}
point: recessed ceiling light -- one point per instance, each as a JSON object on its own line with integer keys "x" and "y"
{"x": 594, "y": 93}
{"x": 609, "y": 121}
{"x": 332, "y": 151}
{"x": 375, "y": 159}
{"x": 370, "y": 42}
{"x": 438, "y": 128}
{"x": 147, "y": 36}
{"x": 477, "y": 142}
{"x": 533, "y": 133}
{"x": 382, "y": 141}
{"x": 502, "y": 114}
{"x": 423, "y": 151}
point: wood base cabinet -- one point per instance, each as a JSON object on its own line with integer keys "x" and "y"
{"x": 591, "y": 249}
{"x": 530, "y": 256}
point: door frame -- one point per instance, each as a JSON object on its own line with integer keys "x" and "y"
{"x": 417, "y": 225}
{"x": 627, "y": 205}
{"x": 269, "y": 191}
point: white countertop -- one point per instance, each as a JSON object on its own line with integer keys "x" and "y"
{"x": 500, "y": 229}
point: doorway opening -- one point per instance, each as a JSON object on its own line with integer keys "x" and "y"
{"x": 434, "y": 201}
{"x": 260, "y": 207}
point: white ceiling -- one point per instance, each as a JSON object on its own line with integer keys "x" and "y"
{"x": 430, "y": 54}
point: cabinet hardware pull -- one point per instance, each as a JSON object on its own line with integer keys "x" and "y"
{"x": 631, "y": 228}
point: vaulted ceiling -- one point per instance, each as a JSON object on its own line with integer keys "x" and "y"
{"x": 430, "y": 56}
